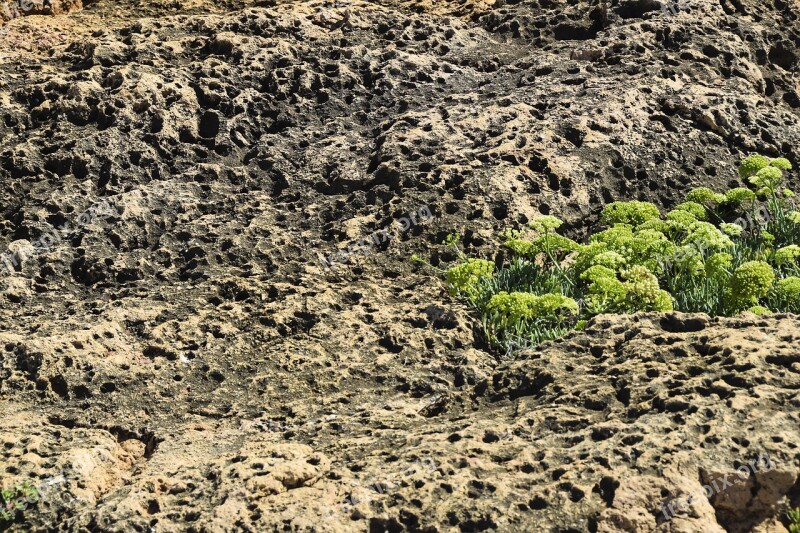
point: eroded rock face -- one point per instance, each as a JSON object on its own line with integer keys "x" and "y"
{"x": 174, "y": 349}
{"x": 616, "y": 429}
{"x": 10, "y": 9}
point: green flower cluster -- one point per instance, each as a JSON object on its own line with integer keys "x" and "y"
{"x": 620, "y": 245}
{"x": 633, "y": 213}
{"x": 520, "y": 246}
{"x": 463, "y": 279}
{"x": 764, "y": 174}
{"x": 751, "y": 281}
{"x": 731, "y": 230}
{"x": 517, "y": 306}
{"x": 549, "y": 243}
{"x": 766, "y": 180}
{"x": 786, "y": 294}
{"x": 789, "y": 288}
{"x": 545, "y": 224}
{"x": 510, "y": 311}
{"x": 787, "y": 255}
{"x": 719, "y": 253}
{"x": 705, "y": 196}
{"x": 556, "y": 306}
{"x": 553, "y": 244}
{"x": 718, "y": 266}
{"x": 739, "y": 196}
{"x": 606, "y": 295}
{"x": 751, "y": 165}
{"x": 693, "y": 208}
{"x": 598, "y": 272}
{"x": 643, "y": 292}
{"x": 680, "y": 220}
{"x": 638, "y": 292}
{"x": 609, "y": 259}
{"x": 794, "y": 519}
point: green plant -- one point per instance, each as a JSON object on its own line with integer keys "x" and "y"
{"x": 633, "y": 213}
{"x": 16, "y": 499}
{"x": 794, "y": 517}
{"x": 751, "y": 165}
{"x": 517, "y": 312}
{"x": 705, "y": 197}
{"x": 751, "y": 281}
{"x": 717, "y": 253}
{"x": 464, "y": 279}
{"x": 739, "y": 196}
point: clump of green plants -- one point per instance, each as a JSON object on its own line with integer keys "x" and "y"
{"x": 16, "y": 499}
{"x": 794, "y": 516}
{"x": 720, "y": 253}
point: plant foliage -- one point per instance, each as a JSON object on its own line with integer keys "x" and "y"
{"x": 794, "y": 516}
{"x": 717, "y": 253}
{"x": 16, "y": 499}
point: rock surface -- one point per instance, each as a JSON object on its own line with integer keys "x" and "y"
{"x": 174, "y": 355}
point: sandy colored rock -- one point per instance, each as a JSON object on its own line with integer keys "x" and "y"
{"x": 181, "y": 359}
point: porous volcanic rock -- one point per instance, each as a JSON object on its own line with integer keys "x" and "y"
{"x": 10, "y": 9}
{"x": 174, "y": 356}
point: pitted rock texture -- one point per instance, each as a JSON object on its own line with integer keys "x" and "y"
{"x": 601, "y": 432}
{"x": 10, "y": 9}
{"x": 185, "y": 362}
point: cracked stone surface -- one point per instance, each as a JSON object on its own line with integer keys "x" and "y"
{"x": 175, "y": 357}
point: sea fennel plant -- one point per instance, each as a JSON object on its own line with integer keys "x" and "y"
{"x": 719, "y": 253}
